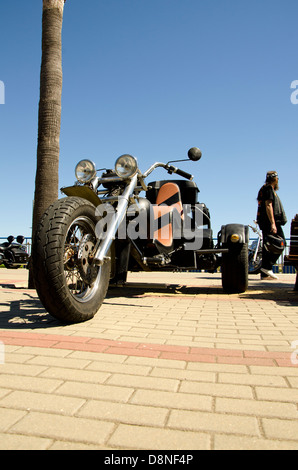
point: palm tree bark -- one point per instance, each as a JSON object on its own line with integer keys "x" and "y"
{"x": 49, "y": 117}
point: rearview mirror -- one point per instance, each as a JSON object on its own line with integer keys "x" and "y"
{"x": 194, "y": 154}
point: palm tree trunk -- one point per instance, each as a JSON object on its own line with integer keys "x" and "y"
{"x": 49, "y": 118}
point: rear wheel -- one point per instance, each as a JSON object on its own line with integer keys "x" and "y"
{"x": 235, "y": 269}
{"x": 69, "y": 285}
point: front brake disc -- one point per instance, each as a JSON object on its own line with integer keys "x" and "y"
{"x": 88, "y": 271}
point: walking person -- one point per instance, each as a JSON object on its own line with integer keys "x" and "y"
{"x": 271, "y": 218}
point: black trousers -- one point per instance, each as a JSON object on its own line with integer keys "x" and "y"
{"x": 270, "y": 259}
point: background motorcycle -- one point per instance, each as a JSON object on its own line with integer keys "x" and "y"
{"x": 13, "y": 255}
{"x": 255, "y": 251}
{"x": 100, "y": 231}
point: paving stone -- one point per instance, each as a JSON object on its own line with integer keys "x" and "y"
{"x": 64, "y": 427}
{"x": 20, "y": 442}
{"x": 175, "y": 365}
{"x": 124, "y": 413}
{"x": 213, "y": 422}
{"x": 158, "y": 439}
{"x": 43, "y": 402}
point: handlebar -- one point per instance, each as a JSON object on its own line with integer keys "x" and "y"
{"x": 170, "y": 169}
{"x": 254, "y": 229}
{"x": 173, "y": 169}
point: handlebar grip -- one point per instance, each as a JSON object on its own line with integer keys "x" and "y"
{"x": 181, "y": 172}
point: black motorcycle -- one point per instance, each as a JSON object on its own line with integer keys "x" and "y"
{"x": 103, "y": 229}
{"x": 13, "y": 255}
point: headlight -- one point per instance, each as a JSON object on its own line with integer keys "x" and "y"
{"x": 85, "y": 171}
{"x": 126, "y": 166}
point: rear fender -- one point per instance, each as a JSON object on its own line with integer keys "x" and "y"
{"x": 225, "y": 235}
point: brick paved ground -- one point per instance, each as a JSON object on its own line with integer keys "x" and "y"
{"x": 170, "y": 362}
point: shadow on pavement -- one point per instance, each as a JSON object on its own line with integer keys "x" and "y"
{"x": 28, "y": 311}
{"x": 25, "y": 313}
{"x": 257, "y": 290}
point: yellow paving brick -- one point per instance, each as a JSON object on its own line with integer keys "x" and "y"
{"x": 119, "y": 368}
{"x": 67, "y": 362}
{"x": 42, "y": 402}
{"x": 21, "y": 369}
{"x": 4, "y": 392}
{"x": 237, "y": 369}
{"x": 213, "y": 422}
{"x": 293, "y": 382}
{"x": 225, "y": 390}
{"x": 66, "y": 445}
{"x": 33, "y": 351}
{"x": 226, "y": 442}
{"x": 281, "y": 429}
{"x": 277, "y": 394}
{"x": 18, "y": 358}
{"x": 19, "y": 442}
{"x": 124, "y": 413}
{"x": 257, "y": 408}
{"x": 246, "y": 379}
{"x": 171, "y": 400}
{"x": 98, "y": 357}
{"x": 35, "y": 384}
{"x": 95, "y": 391}
{"x": 142, "y": 437}
{"x": 155, "y": 383}
{"x": 9, "y": 417}
{"x": 64, "y": 427}
{"x": 198, "y": 376}
{"x": 281, "y": 371}
{"x": 155, "y": 362}
{"x": 75, "y": 375}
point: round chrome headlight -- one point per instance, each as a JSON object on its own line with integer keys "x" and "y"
{"x": 126, "y": 166}
{"x": 85, "y": 171}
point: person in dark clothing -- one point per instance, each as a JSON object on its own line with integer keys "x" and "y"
{"x": 271, "y": 217}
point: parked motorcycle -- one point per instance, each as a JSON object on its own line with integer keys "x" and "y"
{"x": 255, "y": 251}
{"x": 13, "y": 255}
{"x": 104, "y": 229}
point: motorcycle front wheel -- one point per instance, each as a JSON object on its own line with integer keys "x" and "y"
{"x": 254, "y": 266}
{"x": 69, "y": 285}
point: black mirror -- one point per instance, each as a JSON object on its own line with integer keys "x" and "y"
{"x": 194, "y": 154}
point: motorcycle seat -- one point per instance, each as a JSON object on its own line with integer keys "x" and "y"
{"x": 168, "y": 206}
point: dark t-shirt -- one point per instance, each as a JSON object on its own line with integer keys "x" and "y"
{"x": 267, "y": 193}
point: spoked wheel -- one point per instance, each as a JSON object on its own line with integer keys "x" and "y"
{"x": 70, "y": 286}
{"x": 254, "y": 266}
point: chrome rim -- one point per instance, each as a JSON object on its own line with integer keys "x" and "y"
{"x": 81, "y": 277}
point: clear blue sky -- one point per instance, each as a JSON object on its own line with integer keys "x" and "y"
{"x": 153, "y": 78}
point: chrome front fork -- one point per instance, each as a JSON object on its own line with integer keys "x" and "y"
{"x": 123, "y": 201}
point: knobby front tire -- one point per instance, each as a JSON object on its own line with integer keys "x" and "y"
{"x": 70, "y": 288}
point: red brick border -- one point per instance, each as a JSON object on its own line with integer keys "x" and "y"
{"x": 158, "y": 351}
